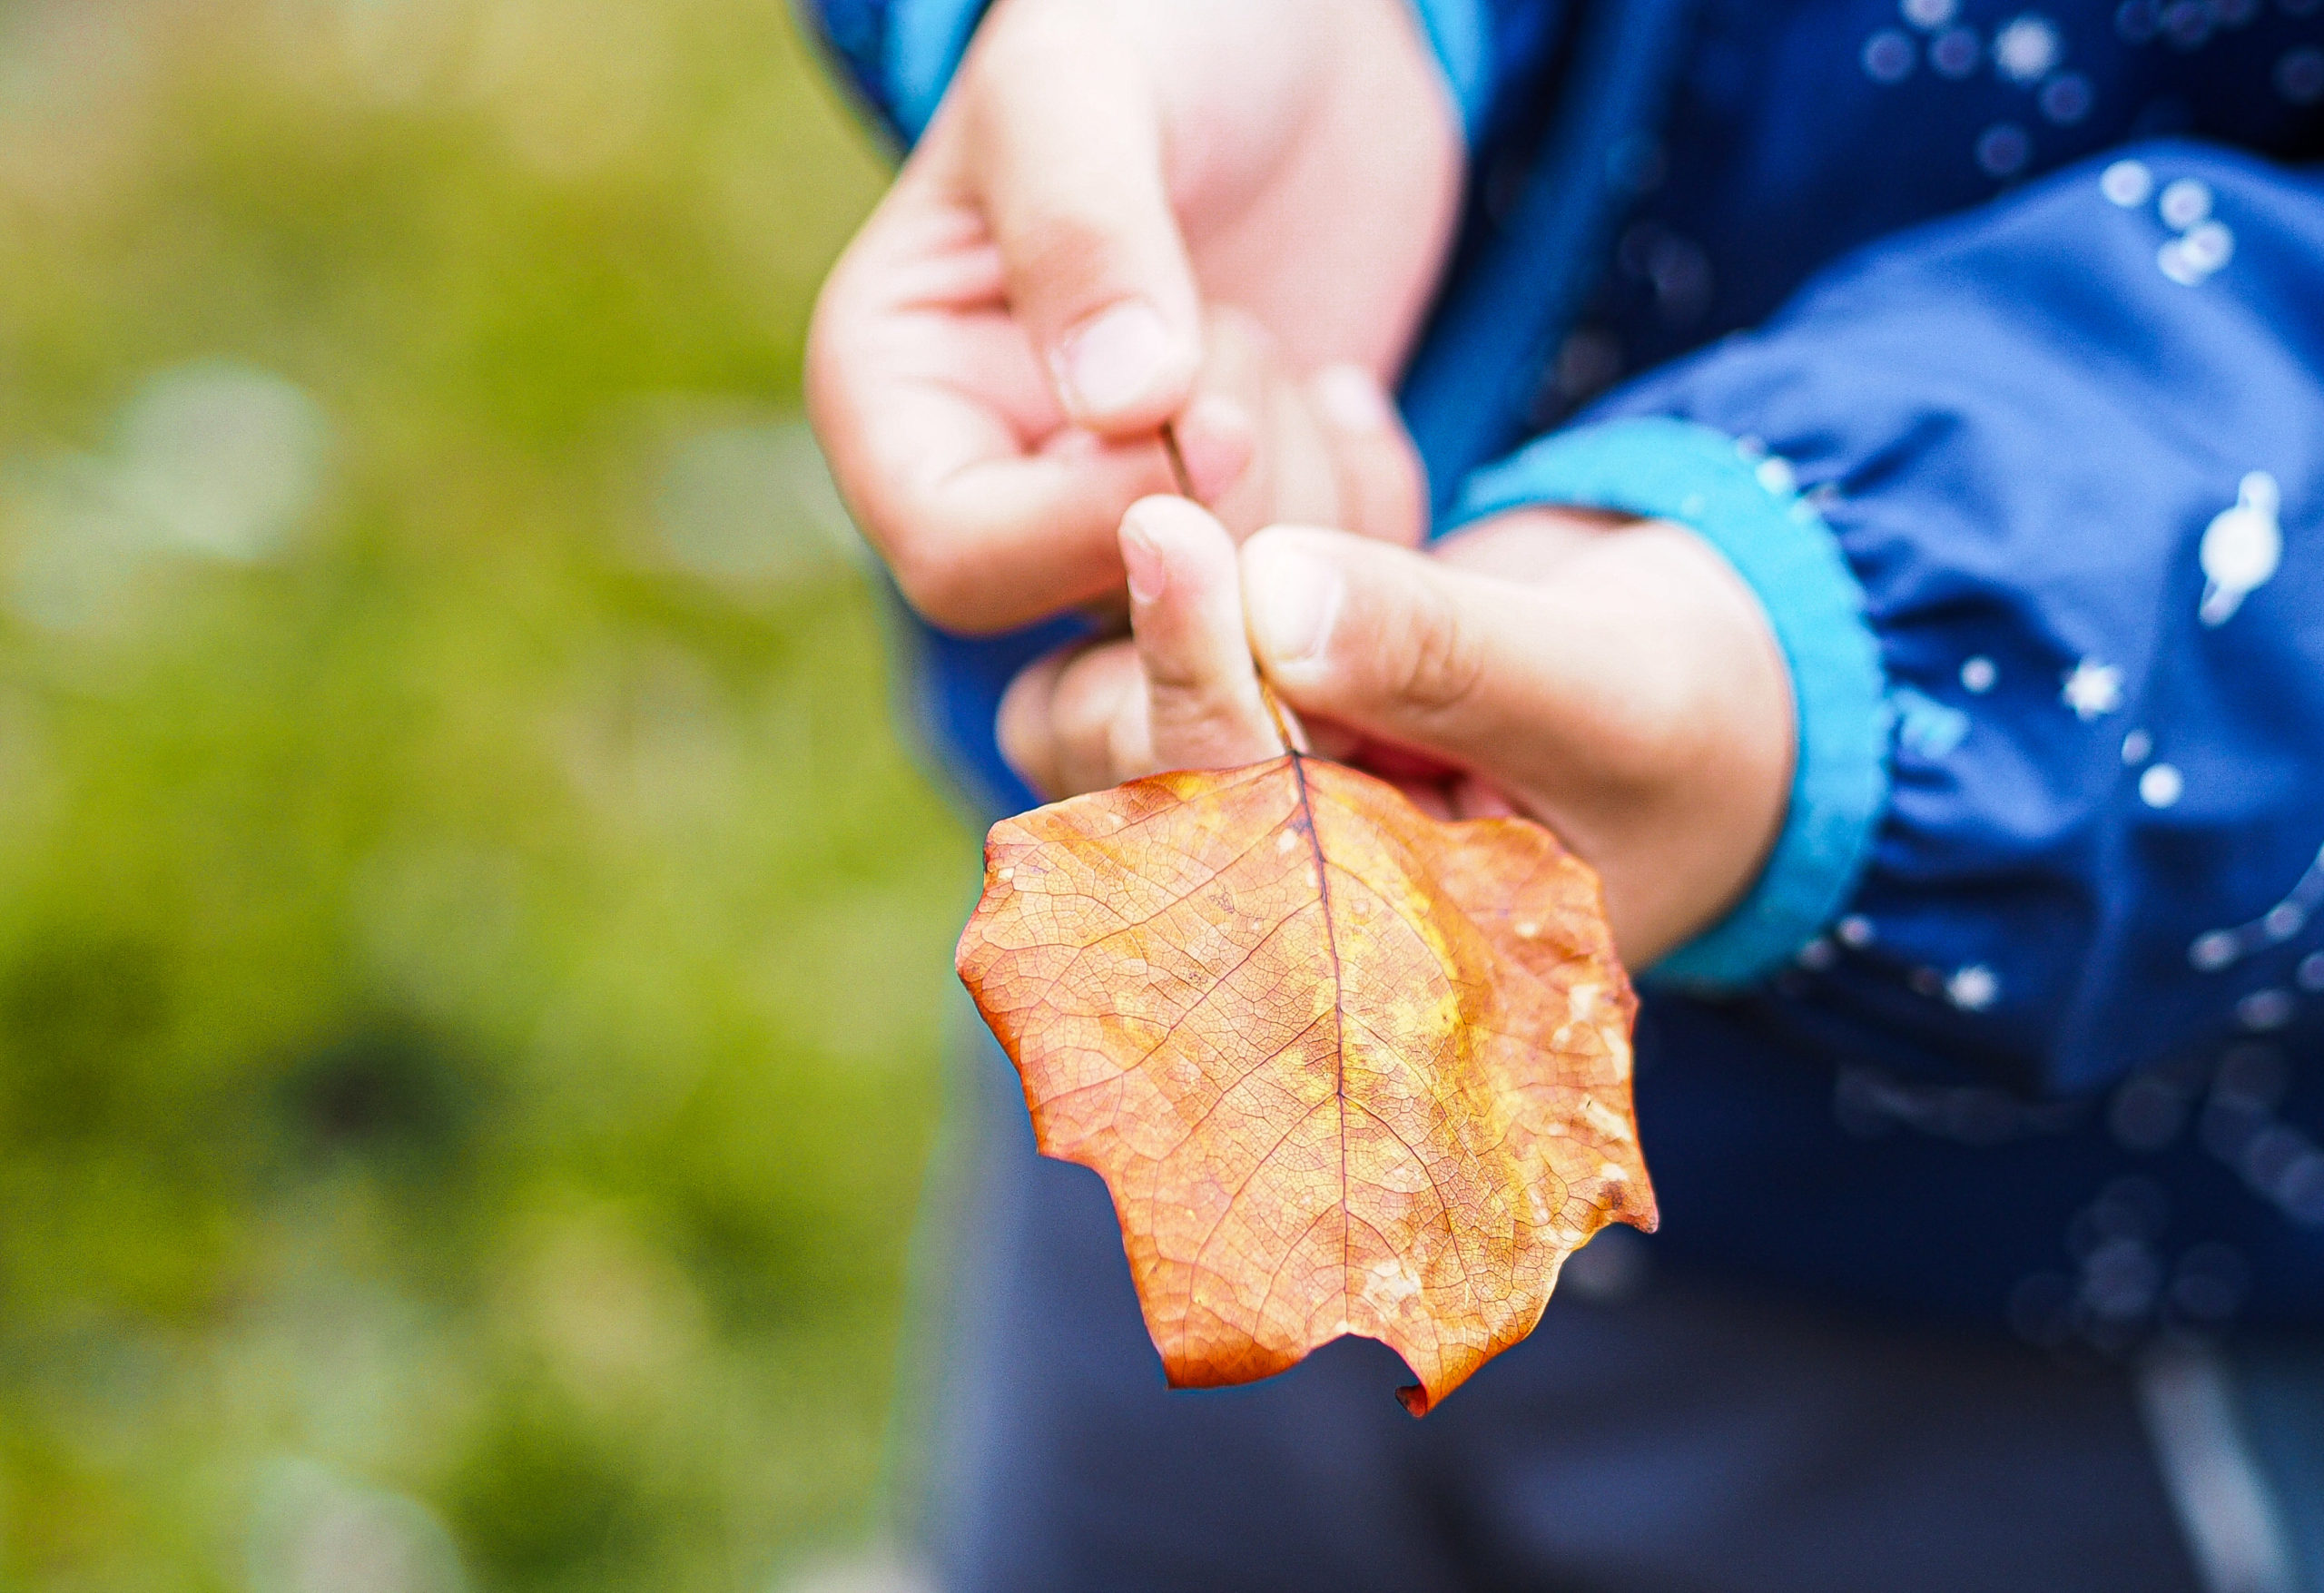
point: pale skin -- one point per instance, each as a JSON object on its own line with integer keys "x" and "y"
{"x": 1229, "y": 218}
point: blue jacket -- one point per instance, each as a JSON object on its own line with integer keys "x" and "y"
{"x": 1988, "y": 344}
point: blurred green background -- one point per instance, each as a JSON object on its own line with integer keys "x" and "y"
{"x": 472, "y": 949}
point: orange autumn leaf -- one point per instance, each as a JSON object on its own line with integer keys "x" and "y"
{"x": 1346, "y": 1068}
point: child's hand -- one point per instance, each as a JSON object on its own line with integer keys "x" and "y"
{"x": 991, "y": 360}
{"x": 1615, "y": 680}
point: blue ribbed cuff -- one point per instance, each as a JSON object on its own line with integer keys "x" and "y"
{"x": 1744, "y": 504}
{"x": 927, "y": 38}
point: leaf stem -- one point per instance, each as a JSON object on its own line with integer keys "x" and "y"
{"x": 1294, "y": 741}
{"x": 1178, "y": 464}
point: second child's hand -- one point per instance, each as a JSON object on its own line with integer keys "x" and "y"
{"x": 1616, "y": 682}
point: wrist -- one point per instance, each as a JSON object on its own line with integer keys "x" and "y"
{"x": 1745, "y": 507}
{"x": 1672, "y": 773}
{"x": 1730, "y": 736}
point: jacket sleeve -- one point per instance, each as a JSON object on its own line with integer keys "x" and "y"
{"x": 902, "y": 54}
{"x": 2034, "y": 499}
{"x": 898, "y": 54}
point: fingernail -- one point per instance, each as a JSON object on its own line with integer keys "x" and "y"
{"x": 1352, "y": 398}
{"x": 1290, "y": 602}
{"x": 1218, "y": 441}
{"x": 1148, "y": 575}
{"x": 1111, "y": 360}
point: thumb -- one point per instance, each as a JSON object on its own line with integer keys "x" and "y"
{"x": 1204, "y": 710}
{"x": 1493, "y": 675}
{"x": 1064, "y": 152}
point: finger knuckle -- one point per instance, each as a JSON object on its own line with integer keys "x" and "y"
{"x": 1182, "y": 719}
{"x": 1059, "y": 245}
{"x": 1176, "y": 679}
{"x": 1088, "y": 696}
{"x": 1442, "y": 657}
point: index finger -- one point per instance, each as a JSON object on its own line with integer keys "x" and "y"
{"x": 943, "y": 432}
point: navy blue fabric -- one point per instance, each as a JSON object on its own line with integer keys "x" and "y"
{"x": 2279, "y": 1396}
{"x": 2022, "y": 431}
{"x": 1485, "y": 48}
{"x": 1539, "y": 227}
{"x": 2026, "y": 301}
{"x": 1653, "y": 1435}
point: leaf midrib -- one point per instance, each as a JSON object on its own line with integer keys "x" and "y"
{"x": 1339, "y": 1016}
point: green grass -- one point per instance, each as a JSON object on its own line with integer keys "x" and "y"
{"x": 472, "y": 951}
